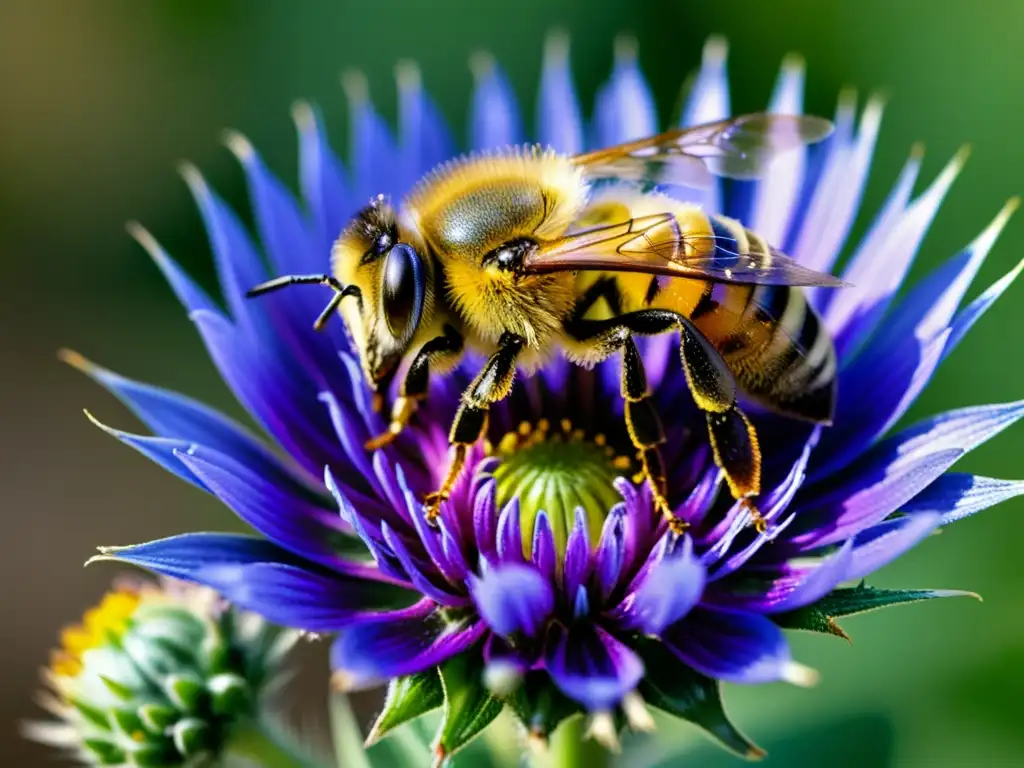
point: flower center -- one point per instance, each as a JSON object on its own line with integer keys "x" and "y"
{"x": 556, "y": 472}
{"x": 104, "y": 624}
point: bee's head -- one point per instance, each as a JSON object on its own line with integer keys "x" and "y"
{"x": 385, "y": 262}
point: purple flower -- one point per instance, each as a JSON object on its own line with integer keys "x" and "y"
{"x": 550, "y": 584}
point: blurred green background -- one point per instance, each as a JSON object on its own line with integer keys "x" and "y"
{"x": 98, "y": 102}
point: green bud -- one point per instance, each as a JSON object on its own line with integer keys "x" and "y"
{"x": 192, "y": 737}
{"x": 157, "y": 718}
{"x": 229, "y": 695}
{"x": 104, "y": 752}
{"x": 186, "y": 691}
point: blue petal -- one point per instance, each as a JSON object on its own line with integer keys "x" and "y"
{"x": 282, "y": 228}
{"x": 708, "y": 99}
{"x": 485, "y": 517}
{"x": 969, "y": 315}
{"x": 401, "y": 643}
{"x": 879, "y": 389}
{"x": 418, "y": 571}
{"x": 775, "y": 195}
{"x": 946, "y": 433}
{"x": 855, "y": 312}
{"x": 494, "y": 117}
{"x": 624, "y": 108}
{"x": 590, "y": 666}
{"x": 280, "y": 399}
{"x": 282, "y": 514}
{"x": 666, "y": 594}
{"x": 559, "y": 120}
{"x": 734, "y": 647}
{"x": 707, "y": 102}
{"x": 191, "y": 296}
{"x": 956, "y": 495}
{"x": 182, "y": 557}
{"x": 542, "y": 550}
{"x": 296, "y": 597}
{"x": 869, "y": 493}
{"x": 509, "y": 536}
{"x": 426, "y": 141}
{"x": 374, "y": 155}
{"x": 611, "y": 552}
{"x": 838, "y": 193}
{"x": 785, "y": 587}
{"x": 161, "y": 450}
{"x": 513, "y": 599}
{"x": 576, "y": 568}
{"x": 930, "y": 306}
{"x": 238, "y": 264}
{"x": 321, "y": 177}
{"x": 171, "y": 415}
{"x": 886, "y": 541}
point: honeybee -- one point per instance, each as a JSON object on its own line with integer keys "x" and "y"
{"x": 525, "y": 253}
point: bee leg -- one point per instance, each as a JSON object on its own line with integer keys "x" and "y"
{"x": 733, "y": 438}
{"x": 645, "y": 428}
{"x": 492, "y": 384}
{"x": 642, "y": 421}
{"x": 415, "y": 384}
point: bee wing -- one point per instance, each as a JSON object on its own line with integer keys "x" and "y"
{"x": 738, "y": 148}
{"x": 655, "y": 245}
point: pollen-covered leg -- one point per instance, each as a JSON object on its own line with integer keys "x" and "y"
{"x": 492, "y": 384}
{"x": 416, "y": 382}
{"x": 644, "y": 426}
{"x": 642, "y": 421}
{"x": 733, "y": 439}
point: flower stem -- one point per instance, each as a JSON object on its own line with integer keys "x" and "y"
{"x": 570, "y": 748}
{"x": 268, "y": 745}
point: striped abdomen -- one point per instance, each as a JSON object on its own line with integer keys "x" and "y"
{"x": 770, "y": 337}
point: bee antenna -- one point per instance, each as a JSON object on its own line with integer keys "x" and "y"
{"x": 340, "y": 291}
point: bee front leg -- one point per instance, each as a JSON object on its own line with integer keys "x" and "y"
{"x": 416, "y": 382}
{"x": 492, "y": 384}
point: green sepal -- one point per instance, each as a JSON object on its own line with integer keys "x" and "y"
{"x": 469, "y": 706}
{"x": 191, "y": 737}
{"x": 93, "y": 715}
{"x": 674, "y": 687}
{"x": 153, "y": 755}
{"x": 821, "y": 616}
{"x": 104, "y": 752}
{"x": 185, "y": 691}
{"x": 230, "y": 695}
{"x": 123, "y": 692}
{"x": 540, "y": 706}
{"x": 157, "y": 718}
{"x": 408, "y": 697}
{"x": 128, "y": 722}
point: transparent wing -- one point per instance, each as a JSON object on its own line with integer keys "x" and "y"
{"x": 655, "y": 245}
{"x": 738, "y": 148}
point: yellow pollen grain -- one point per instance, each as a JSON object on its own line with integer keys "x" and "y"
{"x": 525, "y": 428}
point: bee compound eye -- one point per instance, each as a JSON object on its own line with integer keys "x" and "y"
{"x": 402, "y": 291}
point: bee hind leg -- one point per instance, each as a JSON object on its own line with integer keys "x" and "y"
{"x": 492, "y": 384}
{"x": 642, "y": 421}
{"x": 415, "y": 384}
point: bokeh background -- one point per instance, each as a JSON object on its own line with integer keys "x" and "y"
{"x": 98, "y": 102}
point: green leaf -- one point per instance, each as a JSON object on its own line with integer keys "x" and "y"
{"x": 469, "y": 706}
{"x": 540, "y": 705}
{"x": 679, "y": 690}
{"x": 822, "y": 615}
{"x": 408, "y": 698}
